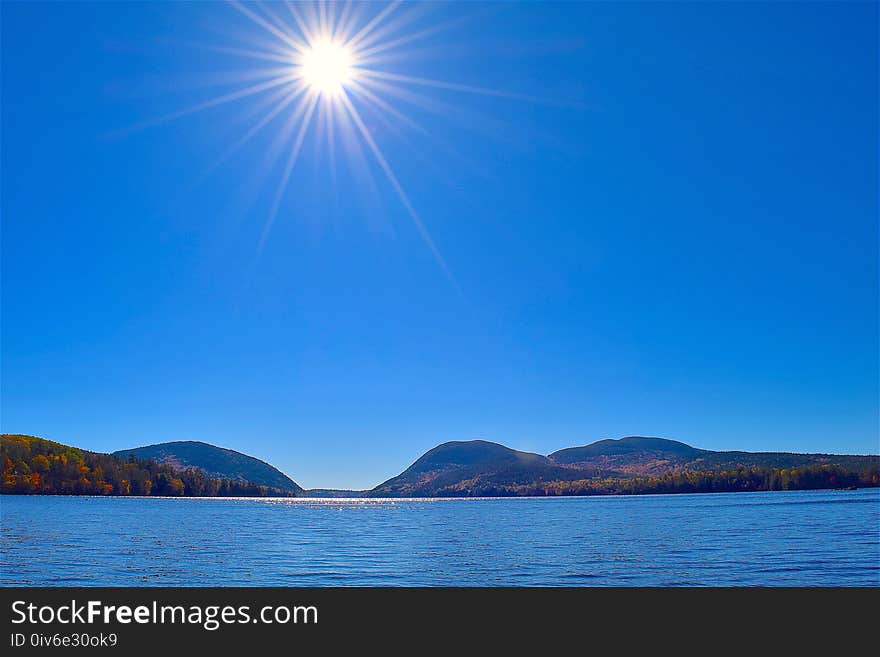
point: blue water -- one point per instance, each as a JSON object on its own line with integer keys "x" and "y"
{"x": 819, "y": 538}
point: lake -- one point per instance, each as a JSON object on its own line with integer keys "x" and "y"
{"x": 812, "y": 538}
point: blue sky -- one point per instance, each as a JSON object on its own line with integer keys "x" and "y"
{"x": 677, "y": 238}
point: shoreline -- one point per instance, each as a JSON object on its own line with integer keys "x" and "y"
{"x": 444, "y": 498}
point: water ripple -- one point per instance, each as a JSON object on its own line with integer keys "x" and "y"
{"x": 821, "y": 538}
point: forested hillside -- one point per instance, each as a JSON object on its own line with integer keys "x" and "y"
{"x": 633, "y": 465}
{"x": 213, "y": 461}
{"x": 35, "y": 465}
{"x": 813, "y": 477}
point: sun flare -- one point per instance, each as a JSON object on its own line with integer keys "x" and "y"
{"x": 327, "y": 67}
{"x": 336, "y": 72}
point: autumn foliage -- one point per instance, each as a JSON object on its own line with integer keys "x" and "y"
{"x": 754, "y": 479}
{"x": 33, "y": 465}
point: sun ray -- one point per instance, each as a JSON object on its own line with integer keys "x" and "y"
{"x": 393, "y": 121}
{"x": 355, "y": 156}
{"x": 451, "y": 86}
{"x": 331, "y": 141}
{"x": 206, "y": 79}
{"x": 387, "y": 28}
{"x": 353, "y": 42}
{"x": 283, "y": 26}
{"x": 287, "y": 97}
{"x": 310, "y": 11}
{"x": 367, "y": 56}
{"x": 213, "y": 102}
{"x": 431, "y": 104}
{"x": 301, "y": 23}
{"x": 439, "y": 144}
{"x": 241, "y": 52}
{"x": 348, "y": 21}
{"x": 259, "y": 20}
{"x": 288, "y": 168}
{"x": 323, "y": 18}
{"x": 483, "y": 124}
{"x": 361, "y": 90}
{"x": 326, "y": 136}
{"x": 398, "y": 188}
{"x": 340, "y": 22}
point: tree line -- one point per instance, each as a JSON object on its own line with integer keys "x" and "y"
{"x": 743, "y": 479}
{"x": 34, "y": 466}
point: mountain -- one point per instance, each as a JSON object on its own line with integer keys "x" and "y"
{"x": 473, "y": 467}
{"x": 216, "y": 462}
{"x": 634, "y": 464}
{"x": 623, "y": 447}
{"x": 633, "y": 455}
{"x": 35, "y": 466}
{"x": 637, "y": 455}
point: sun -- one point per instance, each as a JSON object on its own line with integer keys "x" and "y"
{"x": 332, "y": 63}
{"x": 327, "y": 67}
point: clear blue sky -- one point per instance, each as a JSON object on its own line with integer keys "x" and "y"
{"x": 679, "y": 240}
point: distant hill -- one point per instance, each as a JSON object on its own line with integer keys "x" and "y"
{"x": 470, "y": 468}
{"x": 34, "y": 466}
{"x": 336, "y": 493}
{"x": 637, "y": 455}
{"x": 624, "y": 447}
{"x": 215, "y": 462}
{"x": 634, "y": 464}
{"x": 633, "y": 455}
